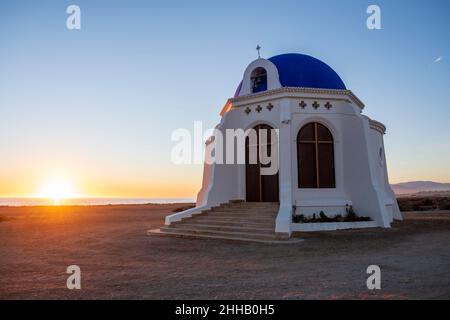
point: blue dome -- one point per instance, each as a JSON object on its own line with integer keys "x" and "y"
{"x": 300, "y": 70}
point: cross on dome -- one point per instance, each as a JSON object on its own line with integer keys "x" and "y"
{"x": 258, "y": 48}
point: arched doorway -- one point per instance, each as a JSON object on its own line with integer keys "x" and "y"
{"x": 260, "y": 187}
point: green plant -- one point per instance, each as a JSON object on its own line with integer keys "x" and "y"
{"x": 323, "y": 217}
{"x": 300, "y": 218}
{"x": 351, "y": 215}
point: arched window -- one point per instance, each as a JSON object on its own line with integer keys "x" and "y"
{"x": 258, "y": 80}
{"x": 315, "y": 157}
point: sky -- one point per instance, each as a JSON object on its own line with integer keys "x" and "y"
{"x": 97, "y": 106}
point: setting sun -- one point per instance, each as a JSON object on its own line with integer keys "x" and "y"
{"x": 57, "y": 190}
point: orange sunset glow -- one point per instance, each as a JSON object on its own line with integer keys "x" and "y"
{"x": 97, "y": 181}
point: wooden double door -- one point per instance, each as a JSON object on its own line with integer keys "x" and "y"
{"x": 260, "y": 187}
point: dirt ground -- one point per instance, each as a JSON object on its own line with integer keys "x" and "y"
{"x": 118, "y": 260}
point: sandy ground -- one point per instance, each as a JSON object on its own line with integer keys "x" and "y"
{"x": 119, "y": 261}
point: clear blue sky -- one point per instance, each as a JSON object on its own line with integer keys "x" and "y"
{"x": 102, "y": 102}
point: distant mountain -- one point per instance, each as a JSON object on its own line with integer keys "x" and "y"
{"x": 419, "y": 186}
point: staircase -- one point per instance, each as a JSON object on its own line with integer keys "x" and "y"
{"x": 244, "y": 221}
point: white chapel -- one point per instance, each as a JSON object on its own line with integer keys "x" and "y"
{"x": 331, "y": 159}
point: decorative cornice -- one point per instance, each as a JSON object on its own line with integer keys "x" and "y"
{"x": 378, "y": 126}
{"x": 296, "y": 90}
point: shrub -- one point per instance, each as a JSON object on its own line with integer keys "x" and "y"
{"x": 299, "y": 218}
{"x": 351, "y": 215}
{"x": 323, "y": 217}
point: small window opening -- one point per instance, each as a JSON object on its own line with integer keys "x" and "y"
{"x": 259, "y": 80}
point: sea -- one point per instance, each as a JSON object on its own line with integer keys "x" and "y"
{"x": 21, "y": 202}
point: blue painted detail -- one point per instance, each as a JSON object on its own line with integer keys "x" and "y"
{"x": 299, "y": 70}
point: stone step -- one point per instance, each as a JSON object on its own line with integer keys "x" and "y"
{"x": 246, "y": 212}
{"x": 216, "y": 227}
{"x": 244, "y": 216}
{"x": 182, "y": 234}
{"x": 230, "y": 222}
{"x": 241, "y": 220}
{"x": 250, "y": 206}
{"x": 250, "y": 203}
{"x": 242, "y": 213}
{"x": 228, "y": 234}
{"x": 245, "y": 221}
{"x": 241, "y": 217}
{"x": 243, "y": 209}
{"x": 250, "y": 210}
